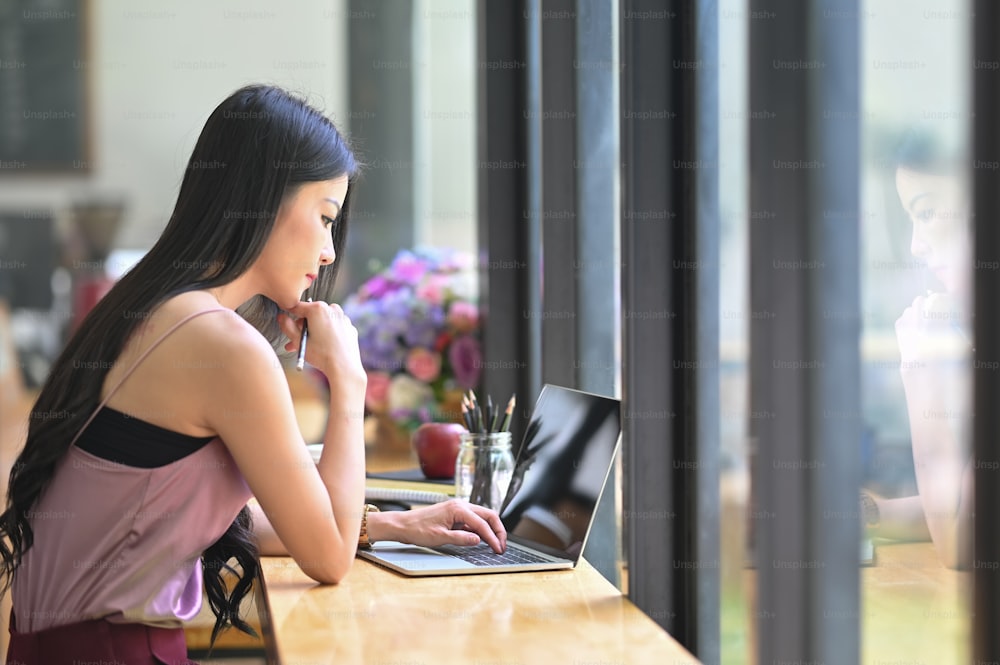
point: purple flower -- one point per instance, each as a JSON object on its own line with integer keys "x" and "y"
{"x": 408, "y": 268}
{"x": 466, "y": 359}
{"x": 424, "y": 324}
{"x": 417, "y": 303}
{"x": 378, "y": 286}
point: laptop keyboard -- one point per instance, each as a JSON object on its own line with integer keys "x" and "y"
{"x": 482, "y": 555}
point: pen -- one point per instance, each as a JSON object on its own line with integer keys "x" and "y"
{"x": 301, "y": 362}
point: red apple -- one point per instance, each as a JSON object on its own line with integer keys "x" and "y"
{"x": 436, "y": 445}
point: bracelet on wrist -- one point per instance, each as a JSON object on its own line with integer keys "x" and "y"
{"x": 869, "y": 511}
{"x": 364, "y": 541}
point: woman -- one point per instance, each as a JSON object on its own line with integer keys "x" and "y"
{"x": 168, "y": 410}
{"x": 935, "y": 353}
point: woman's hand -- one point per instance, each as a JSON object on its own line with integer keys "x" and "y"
{"x": 453, "y": 522}
{"x": 930, "y": 331}
{"x": 333, "y": 340}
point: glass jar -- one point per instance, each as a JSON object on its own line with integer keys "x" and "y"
{"x": 483, "y": 468}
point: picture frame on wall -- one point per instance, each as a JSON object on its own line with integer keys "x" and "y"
{"x": 44, "y": 113}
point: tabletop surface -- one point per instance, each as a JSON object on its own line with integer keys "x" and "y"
{"x": 377, "y": 616}
{"x": 913, "y": 608}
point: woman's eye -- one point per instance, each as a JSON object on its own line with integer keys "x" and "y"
{"x": 329, "y": 221}
{"x": 925, "y": 215}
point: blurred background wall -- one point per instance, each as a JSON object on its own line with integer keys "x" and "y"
{"x": 398, "y": 77}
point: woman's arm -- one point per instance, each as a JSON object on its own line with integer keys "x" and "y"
{"x": 451, "y": 522}
{"x": 268, "y": 543}
{"x": 316, "y": 517}
{"x": 938, "y": 410}
{"x": 314, "y": 509}
{"x": 936, "y": 379}
{"x": 900, "y": 519}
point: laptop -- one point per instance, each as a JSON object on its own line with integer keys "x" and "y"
{"x": 561, "y": 468}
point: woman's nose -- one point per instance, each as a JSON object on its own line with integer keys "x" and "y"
{"x": 918, "y": 246}
{"x": 327, "y": 255}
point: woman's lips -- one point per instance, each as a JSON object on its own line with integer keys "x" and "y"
{"x": 311, "y": 277}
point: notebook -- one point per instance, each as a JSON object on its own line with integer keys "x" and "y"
{"x": 414, "y": 488}
{"x": 561, "y": 468}
{"x": 403, "y": 495}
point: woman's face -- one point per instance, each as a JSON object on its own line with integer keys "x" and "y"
{"x": 938, "y": 210}
{"x": 301, "y": 240}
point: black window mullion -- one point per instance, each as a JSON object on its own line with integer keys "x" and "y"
{"x": 985, "y": 141}
{"x": 804, "y": 365}
{"x": 667, "y": 467}
{"x": 508, "y": 273}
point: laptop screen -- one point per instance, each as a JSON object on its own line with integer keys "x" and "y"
{"x": 562, "y": 466}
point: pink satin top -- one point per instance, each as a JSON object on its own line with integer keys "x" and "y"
{"x": 123, "y": 543}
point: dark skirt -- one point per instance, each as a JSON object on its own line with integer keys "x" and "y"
{"x": 99, "y": 641}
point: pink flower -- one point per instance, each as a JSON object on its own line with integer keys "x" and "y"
{"x": 377, "y": 391}
{"x": 463, "y": 316}
{"x": 432, "y": 289}
{"x": 466, "y": 360}
{"x": 423, "y": 364}
{"x": 417, "y": 322}
{"x": 408, "y": 268}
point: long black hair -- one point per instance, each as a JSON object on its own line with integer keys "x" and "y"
{"x": 923, "y": 151}
{"x": 256, "y": 148}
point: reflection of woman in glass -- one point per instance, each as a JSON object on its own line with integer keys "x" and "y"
{"x": 934, "y": 347}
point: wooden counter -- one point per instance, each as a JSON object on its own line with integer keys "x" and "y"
{"x": 914, "y": 609}
{"x": 378, "y": 616}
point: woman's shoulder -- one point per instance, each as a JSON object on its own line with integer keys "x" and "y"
{"x": 200, "y": 323}
{"x": 188, "y": 351}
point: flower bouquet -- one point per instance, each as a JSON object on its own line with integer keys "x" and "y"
{"x": 418, "y": 326}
